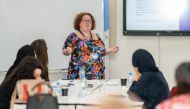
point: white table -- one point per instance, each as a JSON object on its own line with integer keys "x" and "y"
{"x": 93, "y": 96}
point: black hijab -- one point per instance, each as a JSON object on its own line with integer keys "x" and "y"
{"x": 152, "y": 87}
{"x": 24, "y": 51}
{"x": 144, "y": 61}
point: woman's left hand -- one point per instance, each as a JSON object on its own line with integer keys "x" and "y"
{"x": 114, "y": 49}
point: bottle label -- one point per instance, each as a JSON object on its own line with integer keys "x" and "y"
{"x": 130, "y": 79}
{"x": 58, "y": 88}
{"x": 94, "y": 56}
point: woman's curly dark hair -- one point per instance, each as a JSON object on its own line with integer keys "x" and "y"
{"x": 78, "y": 19}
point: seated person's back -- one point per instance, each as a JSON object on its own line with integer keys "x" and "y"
{"x": 181, "y": 100}
{"x": 29, "y": 68}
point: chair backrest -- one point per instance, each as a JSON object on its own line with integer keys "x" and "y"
{"x": 24, "y": 88}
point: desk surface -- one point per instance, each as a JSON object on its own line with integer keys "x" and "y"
{"x": 94, "y": 95}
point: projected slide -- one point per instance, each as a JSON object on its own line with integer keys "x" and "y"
{"x": 158, "y": 15}
{"x": 185, "y": 19}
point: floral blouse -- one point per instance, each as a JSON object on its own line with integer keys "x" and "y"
{"x": 87, "y": 54}
{"x": 176, "y": 102}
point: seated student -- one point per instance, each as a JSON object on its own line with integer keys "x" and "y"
{"x": 29, "y": 68}
{"x": 149, "y": 83}
{"x": 24, "y": 51}
{"x": 182, "y": 98}
{"x": 40, "y": 48}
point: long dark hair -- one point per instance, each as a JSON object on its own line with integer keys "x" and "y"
{"x": 25, "y": 70}
{"x": 182, "y": 76}
{"x": 40, "y": 48}
{"x": 24, "y": 51}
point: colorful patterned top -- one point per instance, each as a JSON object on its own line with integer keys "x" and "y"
{"x": 86, "y": 54}
{"x": 176, "y": 102}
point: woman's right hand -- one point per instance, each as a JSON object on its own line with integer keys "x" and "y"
{"x": 67, "y": 51}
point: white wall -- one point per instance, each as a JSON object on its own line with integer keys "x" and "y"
{"x": 168, "y": 51}
{"x": 23, "y": 21}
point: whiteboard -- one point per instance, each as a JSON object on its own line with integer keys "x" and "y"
{"x": 22, "y": 21}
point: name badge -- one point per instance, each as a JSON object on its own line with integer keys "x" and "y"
{"x": 94, "y": 55}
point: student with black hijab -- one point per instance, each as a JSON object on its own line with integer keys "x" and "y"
{"x": 149, "y": 83}
{"x": 24, "y": 51}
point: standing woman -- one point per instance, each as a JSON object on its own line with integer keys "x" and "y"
{"x": 149, "y": 83}
{"x": 24, "y": 51}
{"x": 86, "y": 48}
{"x": 40, "y": 48}
{"x": 29, "y": 68}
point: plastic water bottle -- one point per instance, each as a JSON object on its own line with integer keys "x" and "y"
{"x": 58, "y": 88}
{"x": 130, "y": 79}
{"x": 82, "y": 81}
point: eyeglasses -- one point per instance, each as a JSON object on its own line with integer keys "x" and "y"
{"x": 86, "y": 21}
